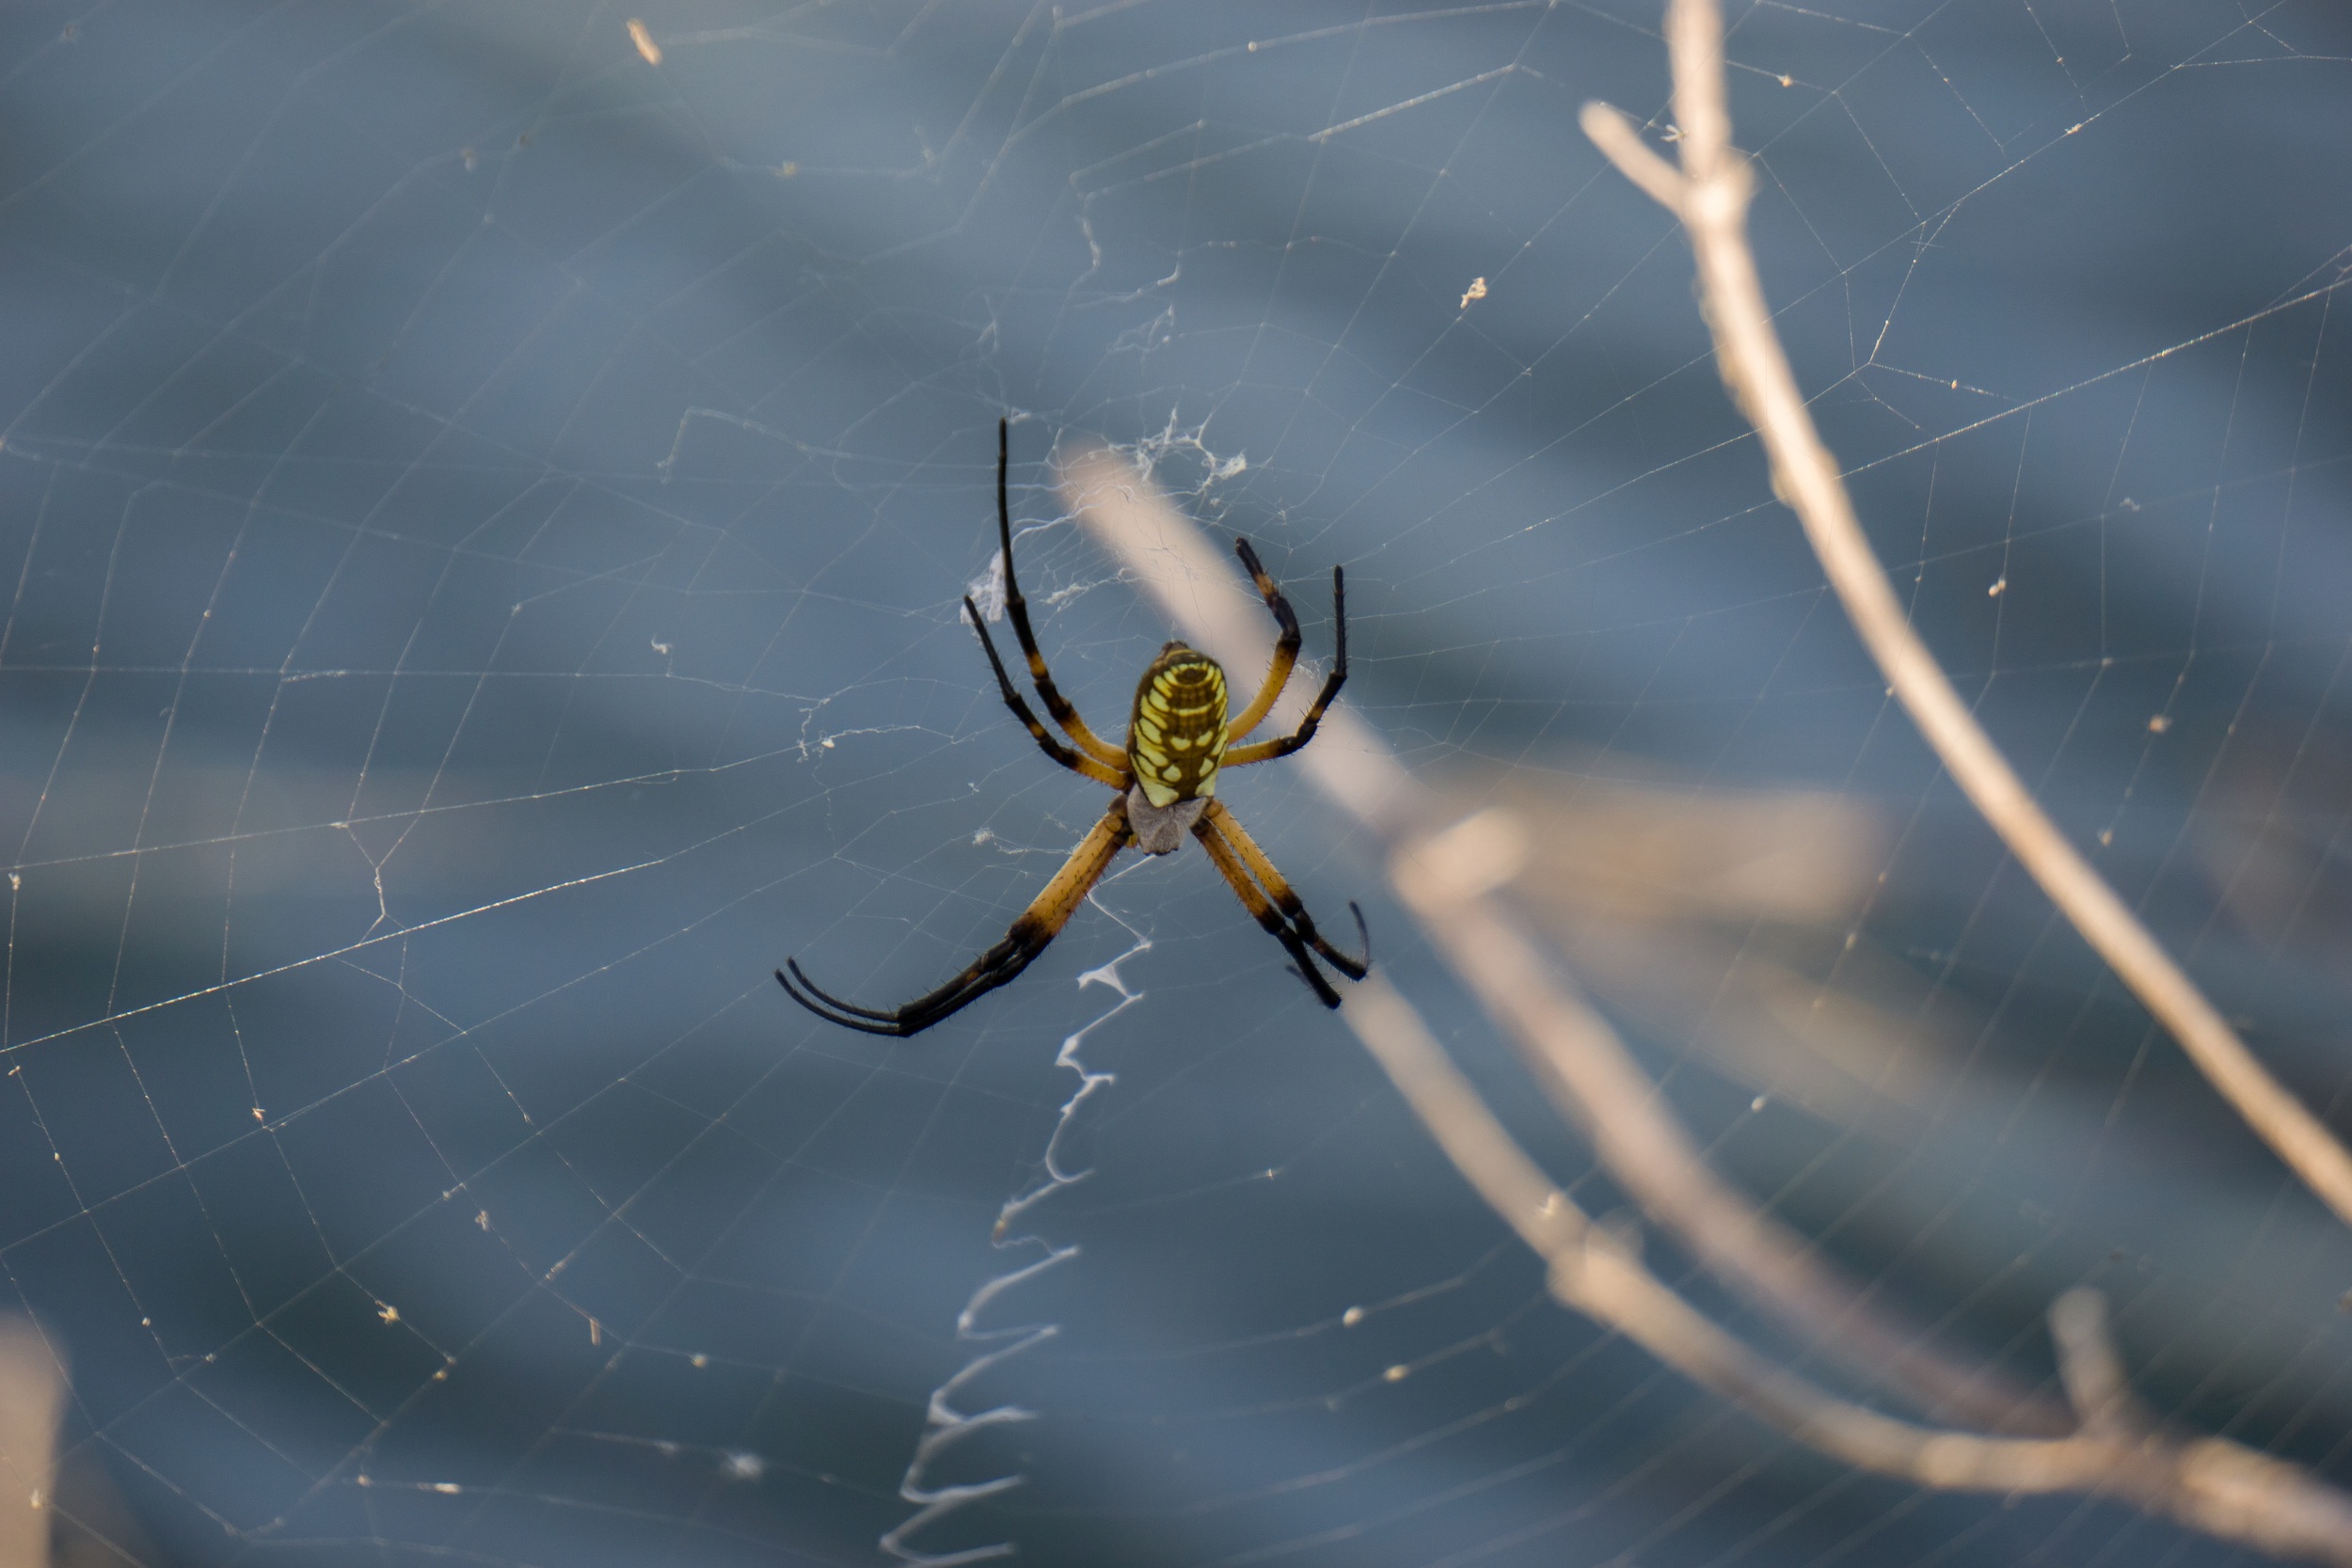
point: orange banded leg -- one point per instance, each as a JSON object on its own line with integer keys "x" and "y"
{"x": 1044, "y": 736}
{"x": 1266, "y": 751}
{"x": 1039, "y": 923}
{"x": 1277, "y": 675}
{"x": 1227, "y": 827}
{"x": 1229, "y": 866}
{"x": 1064, "y": 711}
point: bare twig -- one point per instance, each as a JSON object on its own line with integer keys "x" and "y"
{"x": 2211, "y": 1484}
{"x": 1710, "y": 194}
{"x": 1569, "y": 1047}
{"x": 2093, "y": 1373}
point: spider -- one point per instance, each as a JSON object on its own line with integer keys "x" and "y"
{"x": 1178, "y": 740}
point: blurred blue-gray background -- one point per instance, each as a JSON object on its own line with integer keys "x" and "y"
{"x": 483, "y": 512}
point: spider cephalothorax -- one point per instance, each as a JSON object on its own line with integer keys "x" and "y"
{"x": 1178, "y": 738}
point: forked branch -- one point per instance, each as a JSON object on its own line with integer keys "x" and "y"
{"x": 1709, "y": 194}
{"x": 2212, "y": 1484}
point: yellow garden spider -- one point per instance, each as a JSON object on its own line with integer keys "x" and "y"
{"x": 1178, "y": 740}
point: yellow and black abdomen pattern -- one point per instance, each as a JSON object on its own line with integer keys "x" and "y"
{"x": 1177, "y": 736}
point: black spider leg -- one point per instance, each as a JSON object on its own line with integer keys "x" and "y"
{"x": 1303, "y": 964}
{"x": 1354, "y": 969}
{"x": 1363, "y": 936}
{"x": 1278, "y": 673}
{"x": 1053, "y": 747}
{"x": 993, "y": 968}
{"x": 1039, "y": 925}
{"x": 1064, "y": 711}
{"x": 1262, "y": 910}
{"x": 1293, "y": 909}
{"x": 1266, "y": 751}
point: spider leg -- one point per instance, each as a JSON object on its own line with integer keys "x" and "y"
{"x": 1054, "y": 748}
{"x": 1065, "y": 712}
{"x": 1039, "y": 925}
{"x": 1223, "y": 822}
{"x": 993, "y": 968}
{"x": 1263, "y": 912}
{"x": 1277, "y": 675}
{"x": 1266, "y": 751}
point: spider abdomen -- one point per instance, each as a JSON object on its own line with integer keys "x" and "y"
{"x": 1176, "y": 736}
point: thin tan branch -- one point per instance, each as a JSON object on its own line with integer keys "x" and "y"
{"x": 1514, "y": 1186}
{"x": 1573, "y": 1052}
{"x": 1615, "y": 133}
{"x": 1606, "y": 1096}
{"x": 2209, "y": 1483}
{"x": 32, "y": 1394}
{"x": 1711, "y": 198}
{"x": 2096, "y": 1383}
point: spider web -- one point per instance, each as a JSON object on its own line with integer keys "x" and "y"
{"x": 488, "y": 491}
